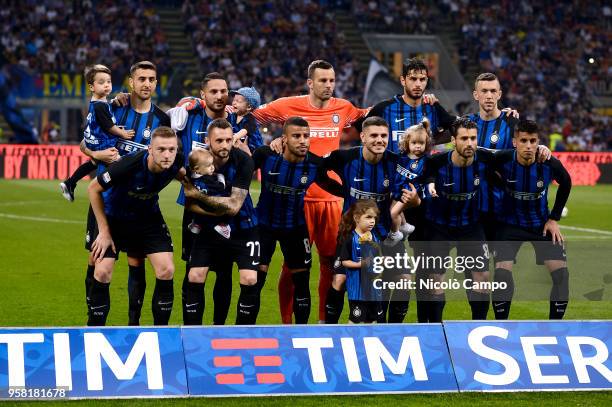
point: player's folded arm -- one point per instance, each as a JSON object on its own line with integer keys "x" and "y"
{"x": 222, "y": 205}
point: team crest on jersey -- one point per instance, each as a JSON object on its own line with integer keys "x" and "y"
{"x": 87, "y": 237}
{"x": 540, "y": 183}
{"x": 106, "y": 177}
{"x": 146, "y": 133}
{"x": 304, "y": 179}
{"x": 494, "y": 137}
{"x": 414, "y": 165}
{"x": 476, "y": 181}
{"x": 336, "y": 118}
{"x": 357, "y": 312}
{"x": 386, "y": 182}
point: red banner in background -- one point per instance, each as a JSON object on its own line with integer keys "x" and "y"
{"x": 588, "y": 168}
{"x": 23, "y": 161}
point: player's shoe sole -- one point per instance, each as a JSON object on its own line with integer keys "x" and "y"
{"x": 67, "y": 192}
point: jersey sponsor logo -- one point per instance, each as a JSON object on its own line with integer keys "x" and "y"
{"x": 128, "y": 146}
{"x": 197, "y": 144}
{"x": 397, "y": 135}
{"x": 406, "y": 173}
{"x": 526, "y": 196}
{"x": 358, "y": 194}
{"x": 462, "y": 196}
{"x": 284, "y": 190}
{"x": 324, "y": 132}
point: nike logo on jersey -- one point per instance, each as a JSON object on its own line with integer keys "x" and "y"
{"x": 307, "y": 261}
{"x": 273, "y": 173}
{"x": 399, "y": 120}
{"x": 511, "y": 180}
{"x": 359, "y": 179}
{"x": 448, "y": 185}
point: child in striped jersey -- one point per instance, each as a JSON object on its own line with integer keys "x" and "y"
{"x": 414, "y": 146}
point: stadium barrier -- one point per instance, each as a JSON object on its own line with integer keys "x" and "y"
{"x": 51, "y": 363}
{"x": 21, "y": 161}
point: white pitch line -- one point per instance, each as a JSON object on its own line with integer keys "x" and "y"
{"x": 39, "y": 219}
{"x": 13, "y": 203}
{"x": 599, "y": 231}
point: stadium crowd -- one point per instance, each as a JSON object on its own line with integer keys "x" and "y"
{"x": 272, "y": 53}
{"x": 65, "y": 36}
{"x": 544, "y": 54}
{"x": 414, "y": 17}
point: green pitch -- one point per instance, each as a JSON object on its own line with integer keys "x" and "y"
{"x": 44, "y": 263}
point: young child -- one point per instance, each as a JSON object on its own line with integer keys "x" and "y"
{"x": 414, "y": 146}
{"x": 355, "y": 231}
{"x": 245, "y": 101}
{"x": 101, "y": 131}
{"x": 201, "y": 173}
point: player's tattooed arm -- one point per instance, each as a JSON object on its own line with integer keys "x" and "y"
{"x": 107, "y": 156}
{"x": 218, "y": 205}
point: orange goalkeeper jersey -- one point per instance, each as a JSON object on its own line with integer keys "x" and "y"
{"x": 326, "y": 125}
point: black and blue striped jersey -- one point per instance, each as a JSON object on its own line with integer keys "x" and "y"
{"x": 99, "y": 121}
{"x": 283, "y": 187}
{"x": 131, "y": 189}
{"x": 409, "y": 171}
{"x": 353, "y": 249}
{"x": 525, "y": 198}
{"x": 143, "y": 125}
{"x": 493, "y": 134}
{"x": 249, "y": 123}
{"x": 362, "y": 180}
{"x": 237, "y": 172}
{"x": 458, "y": 189}
{"x": 400, "y": 115}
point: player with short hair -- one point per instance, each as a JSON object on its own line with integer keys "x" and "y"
{"x": 411, "y": 107}
{"x": 129, "y": 219}
{"x": 192, "y": 127}
{"x": 526, "y": 217}
{"x": 280, "y": 211}
{"x": 229, "y": 226}
{"x": 134, "y": 111}
{"x": 367, "y": 172}
{"x": 101, "y": 131}
{"x": 327, "y": 117}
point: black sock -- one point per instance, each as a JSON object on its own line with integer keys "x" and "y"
{"x": 423, "y": 302}
{"x": 193, "y": 302}
{"x": 559, "y": 294}
{"x": 397, "y": 311}
{"x": 436, "y": 307}
{"x": 261, "y": 281}
{"x": 246, "y": 313}
{"x": 88, "y": 282}
{"x": 301, "y": 296}
{"x": 99, "y": 303}
{"x": 84, "y": 169}
{"x": 222, "y": 293}
{"x": 334, "y": 305}
{"x": 163, "y": 298}
{"x": 502, "y": 298}
{"x": 137, "y": 284}
{"x": 479, "y": 302}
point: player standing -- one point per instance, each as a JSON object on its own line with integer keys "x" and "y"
{"x": 526, "y": 218}
{"x": 135, "y": 111}
{"x": 129, "y": 219}
{"x": 327, "y": 117}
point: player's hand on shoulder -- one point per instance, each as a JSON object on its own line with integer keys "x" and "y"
{"x": 191, "y": 103}
{"x": 552, "y": 227}
{"x": 510, "y": 112}
{"x": 544, "y": 153}
{"x": 122, "y": 99}
{"x": 277, "y": 145}
{"x": 106, "y": 156}
{"x": 430, "y": 99}
{"x": 101, "y": 244}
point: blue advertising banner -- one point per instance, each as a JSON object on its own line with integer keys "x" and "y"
{"x": 531, "y": 355}
{"x": 91, "y": 362}
{"x": 317, "y": 359}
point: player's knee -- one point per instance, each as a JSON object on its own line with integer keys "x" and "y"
{"x": 165, "y": 271}
{"x": 197, "y": 275}
{"x": 104, "y": 272}
{"x": 249, "y": 278}
{"x": 338, "y": 281}
{"x": 506, "y": 265}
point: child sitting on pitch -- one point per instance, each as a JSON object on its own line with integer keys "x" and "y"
{"x": 101, "y": 131}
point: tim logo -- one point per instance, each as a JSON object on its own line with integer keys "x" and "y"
{"x": 236, "y": 361}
